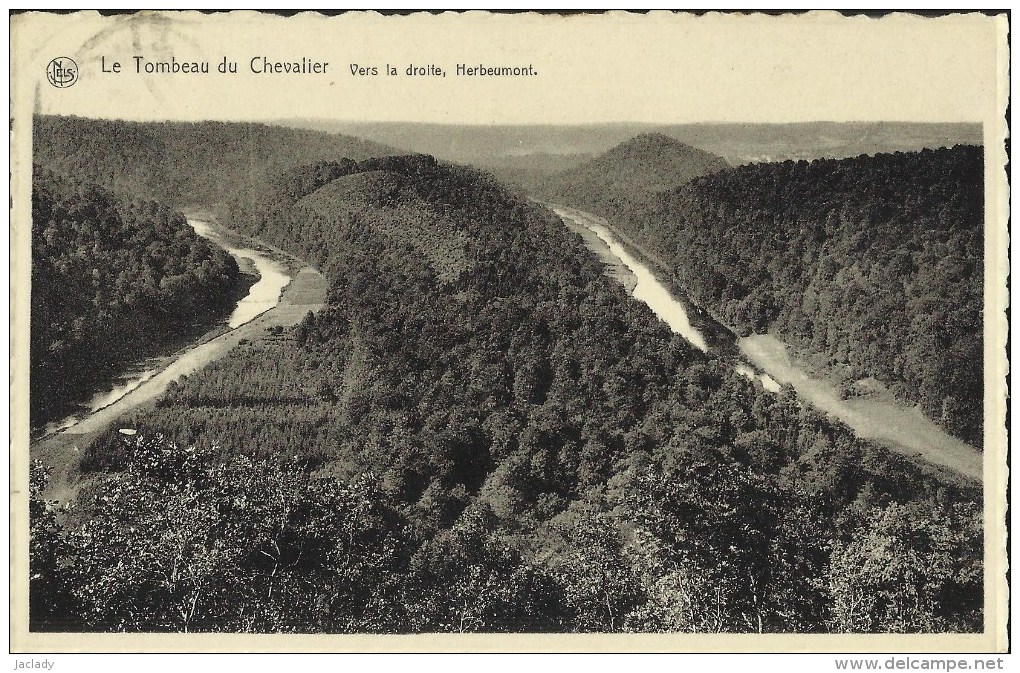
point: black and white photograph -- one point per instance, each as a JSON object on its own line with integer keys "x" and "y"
{"x": 653, "y": 327}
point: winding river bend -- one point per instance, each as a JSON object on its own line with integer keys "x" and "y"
{"x": 261, "y": 297}
{"x": 764, "y": 358}
{"x": 265, "y": 293}
{"x": 280, "y": 297}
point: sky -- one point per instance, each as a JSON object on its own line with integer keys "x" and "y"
{"x": 657, "y": 68}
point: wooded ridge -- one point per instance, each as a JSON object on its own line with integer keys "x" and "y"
{"x": 874, "y": 262}
{"x": 482, "y": 432}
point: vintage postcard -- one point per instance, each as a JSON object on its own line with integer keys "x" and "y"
{"x": 471, "y": 331}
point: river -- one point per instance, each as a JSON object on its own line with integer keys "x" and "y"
{"x": 645, "y": 287}
{"x": 764, "y": 358}
{"x": 279, "y": 299}
{"x": 262, "y": 296}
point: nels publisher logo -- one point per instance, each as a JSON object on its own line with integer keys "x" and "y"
{"x": 62, "y": 72}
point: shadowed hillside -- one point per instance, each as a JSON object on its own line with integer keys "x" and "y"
{"x": 113, "y": 280}
{"x": 180, "y": 163}
{"x": 873, "y": 263}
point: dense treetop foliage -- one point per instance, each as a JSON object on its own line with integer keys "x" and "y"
{"x": 874, "y": 262}
{"x": 112, "y": 280}
{"x": 181, "y": 163}
{"x": 481, "y": 432}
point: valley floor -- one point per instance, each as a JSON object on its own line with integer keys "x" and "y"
{"x": 879, "y": 418}
{"x": 305, "y": 292}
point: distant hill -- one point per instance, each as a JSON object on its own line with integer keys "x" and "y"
{"x": 181, "y": 163}
{"x": 649, "y": 163}
{"x": 527, "y": 149}
{"x": 754, "y": 143}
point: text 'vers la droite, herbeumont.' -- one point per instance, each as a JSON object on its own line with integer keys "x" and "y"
{"x": 433, "y": 70}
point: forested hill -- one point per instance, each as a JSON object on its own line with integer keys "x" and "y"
{"x": 181, "y": 163}
{"x": 111, "y": 280}
{"x": 414, "y": 198}
{"x": 648, "y": 163}
{"x": 482, "y": 432}
{"x": 875, "y": 262}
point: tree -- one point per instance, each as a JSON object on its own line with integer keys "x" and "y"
{"x": 50, "y": 603}
{"x": 900, "y": 574}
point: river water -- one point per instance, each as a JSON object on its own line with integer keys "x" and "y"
{"x": 764, "y": 358}
{"x": 264, "y": 294}
{"x": 648, "y": 289}
{"x": 261, "y": 297}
